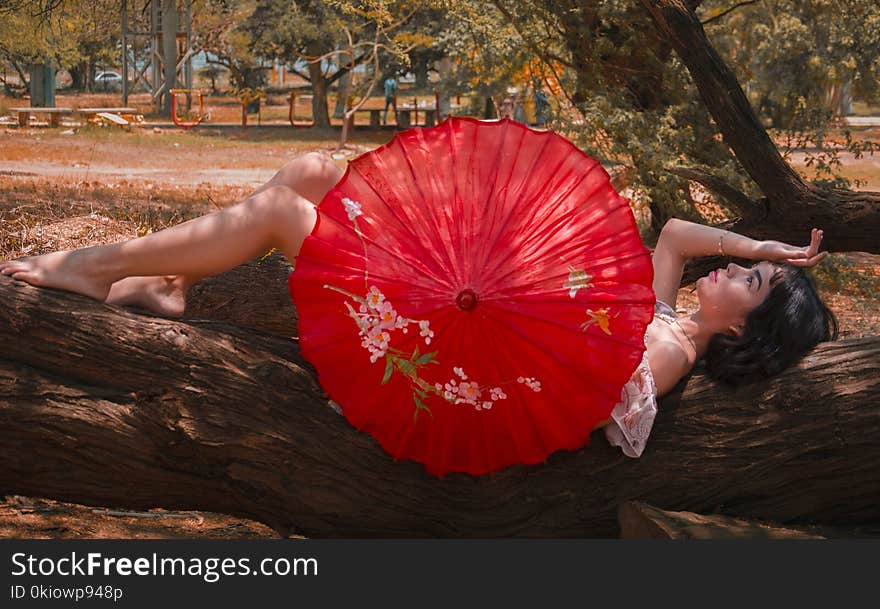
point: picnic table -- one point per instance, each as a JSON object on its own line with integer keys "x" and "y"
{"x": 24, "y": 114}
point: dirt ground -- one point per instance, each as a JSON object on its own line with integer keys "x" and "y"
{"x": 66, "y": 188}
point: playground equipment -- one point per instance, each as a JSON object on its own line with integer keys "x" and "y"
{"x": 195, "y": 118}
{"x": 250, "y": 104}
{"x": 157, "y": 48}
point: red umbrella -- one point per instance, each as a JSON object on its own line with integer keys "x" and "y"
{"x": 474, "y": 295}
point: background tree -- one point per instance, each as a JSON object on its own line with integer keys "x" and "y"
{"x": 332, "y": 38}
{"x": 76, "y": 35}
{"x": 296, "y": 30}
{"x": 219, "y": 33}
{"x": 632, "y": 102}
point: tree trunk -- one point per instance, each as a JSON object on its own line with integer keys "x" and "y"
{"x": 849, "y": 219}
{"x": 319, "y": 95}
{"x": 101, "y": 406}
{"x": 642, "y": 521}
{"x": 420, "y": 71}
{"x": 79, "y": 76}
{"x": 342, "y": 95}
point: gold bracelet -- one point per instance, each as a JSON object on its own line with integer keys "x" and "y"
{"x": 721, "y": 243}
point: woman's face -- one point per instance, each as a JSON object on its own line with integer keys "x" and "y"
{"x": 728, "y": 295}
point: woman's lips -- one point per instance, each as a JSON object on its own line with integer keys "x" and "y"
{"x": 715, "y": 276}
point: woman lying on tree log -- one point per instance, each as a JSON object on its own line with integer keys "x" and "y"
{"x": 751, "y": 322}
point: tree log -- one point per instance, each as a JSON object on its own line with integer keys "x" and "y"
{"x": 253, "y": 296}
{"x": 102, "y": 406}
{"x": 850, "y": 220}
{"x": 642, "y": 521}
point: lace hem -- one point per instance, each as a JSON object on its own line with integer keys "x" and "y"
{"x": 633, "y": 417}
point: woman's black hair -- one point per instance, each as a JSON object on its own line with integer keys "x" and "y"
{"x": 777, "y": 333}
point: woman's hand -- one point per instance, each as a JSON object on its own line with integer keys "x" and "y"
{"x": 776, "y": 251}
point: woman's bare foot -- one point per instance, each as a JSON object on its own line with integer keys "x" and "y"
{"x": 165, "y": 296}
{"x": 72, "y": 270}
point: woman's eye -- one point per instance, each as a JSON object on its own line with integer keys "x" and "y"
{"x": 750, "y": 278}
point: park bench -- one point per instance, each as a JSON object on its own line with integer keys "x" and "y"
{"x": 24, "y": 114}
{"x": 408, "y": 116}
{"x": 375, "y": 117}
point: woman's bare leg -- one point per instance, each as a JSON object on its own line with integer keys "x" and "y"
{"x": 165, "y": 295}
{"x": 154, "y": 272}
{"x": 310, "y": 175}
{"x": 273, "y": 217}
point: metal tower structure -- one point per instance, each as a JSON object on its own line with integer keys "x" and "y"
{"x": 157, "y": 48}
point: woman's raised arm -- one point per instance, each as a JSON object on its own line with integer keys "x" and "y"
{"x": 681, "y": 240}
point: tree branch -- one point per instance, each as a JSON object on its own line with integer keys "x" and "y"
{"x": 728, "y": 11}
{"x": 735, "y": 197}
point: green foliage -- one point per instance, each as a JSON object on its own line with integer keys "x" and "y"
{"x": 65, "y": 33}
{"x": 625, "y": 97}
{"x": 219, "y": 31}
{"x": 840, "y": 272}
{"x": 798, "y": 61}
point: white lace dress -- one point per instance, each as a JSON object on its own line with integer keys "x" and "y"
{"x": 633, "y": 417}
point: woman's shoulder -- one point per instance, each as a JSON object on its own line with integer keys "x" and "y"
{"x": 668, "y": 363}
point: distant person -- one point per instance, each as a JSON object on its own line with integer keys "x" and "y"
{"x": 519, "y": 112}
{"x": 505, "y": 110}
{"x": 542, "y": 106}
{"x": 490, "y": 108}
{"x": 390, "y": 97}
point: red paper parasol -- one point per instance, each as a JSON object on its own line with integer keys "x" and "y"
{"x": 474, "y": 295}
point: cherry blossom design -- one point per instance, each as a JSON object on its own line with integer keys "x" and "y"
{"x": 377, "y": 320}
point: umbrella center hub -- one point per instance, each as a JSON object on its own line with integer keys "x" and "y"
{"x": 466, "y": 300}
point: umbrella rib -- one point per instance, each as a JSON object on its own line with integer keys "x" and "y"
{"x": 562, "y": 252}
{"x": 405, "y": 223}
{"x": 490, "y": 191}
{"x": 429, "y": 272}
{"x": 545, "y": 349}
{"x": 424, "y": 198}
{"x": 605, "y": 337}
{"x": 534, "y": 209}
{"x": 533, "y": 425}
{"x": 520, "y": 287}
{"x": 497, "y": 236}
{"x": 538, "y": 237}
{"x": 377, "y": 273}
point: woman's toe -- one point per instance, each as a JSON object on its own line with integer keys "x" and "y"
{"x": 26, "y": 276}
{"x": 9, "y": 268}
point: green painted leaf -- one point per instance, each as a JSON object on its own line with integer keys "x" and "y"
{"x": 419, "y": 407}
{"x": 389, "y": 368}
{"x": 406, "y": 367}
{"x": 427, "y": 357}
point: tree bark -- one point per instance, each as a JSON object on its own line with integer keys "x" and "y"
{"x": 849, "y": 219}
{"x": 320, "y": 112}
{"x": 102, "y": 406}
{"x": 251, "y": 296}
{"x": 642, "y": 521}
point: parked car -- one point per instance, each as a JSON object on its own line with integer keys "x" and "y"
{"x": 108, "y": 81}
